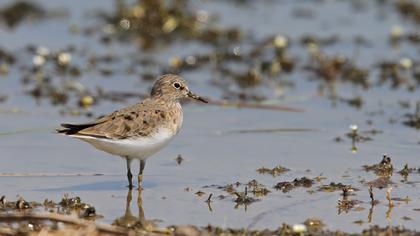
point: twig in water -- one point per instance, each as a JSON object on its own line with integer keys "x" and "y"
{"x": 388, "y": 197}
{"x": 209, "y": 198}
{"x": 241, "y": 104}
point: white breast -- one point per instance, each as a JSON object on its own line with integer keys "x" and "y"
{"x": 136, "y": 148}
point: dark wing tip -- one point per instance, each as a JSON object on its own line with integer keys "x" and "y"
{"x": 61, "y": 131}
{"x": 66, "y": 131}
{"x": 69, "y": 129}
{"x": 65, "y": 125}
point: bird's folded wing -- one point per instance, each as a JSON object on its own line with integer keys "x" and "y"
{"x": 134, "y": 121}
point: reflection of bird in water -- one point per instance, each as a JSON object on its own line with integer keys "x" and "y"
{"x": 128, "y": 220}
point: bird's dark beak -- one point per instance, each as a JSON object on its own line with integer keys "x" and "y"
{"x": 196, "y": 97}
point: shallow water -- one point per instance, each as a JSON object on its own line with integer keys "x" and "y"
{"x": 38, "y": 164}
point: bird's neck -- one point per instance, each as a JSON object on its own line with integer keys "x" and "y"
{"x": 165, "y": 99}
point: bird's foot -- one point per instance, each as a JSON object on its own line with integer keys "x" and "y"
{"x": 130, "y": 186}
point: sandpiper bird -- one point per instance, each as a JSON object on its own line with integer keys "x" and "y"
{"x": 140, "y": 130}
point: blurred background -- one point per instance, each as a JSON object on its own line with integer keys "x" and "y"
{"x": 322, "y": 88}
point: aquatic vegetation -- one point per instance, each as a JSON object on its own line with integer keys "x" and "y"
{"x": 275, "y": 171}
{"x": 332, "y": 187}
{"x": 298, "y": 182}
{"x": 345, "y": 205}
{"x": 334, "y": 69}
{"x": 152, "y": 23}
{"x": 200, "y": 193}
{"x": 314, "y": 225}
{"x": 253, "y": 187}
{"x": 6, "y": 56}
{"x": 66, "y": 206}
{"x": 356, "y": 101}
{"x": 18, "y": 11}
{"x": 356, "y": 136}
{"x": 413, "y": 120}
{"x": 257, "y": 188}
{"x": 383, "y": 168}
{"x": 409, "y": 9}
{"x": 406, "y": 171}
{"x": 405, "y": 72}
{"x": 242, "y": 198}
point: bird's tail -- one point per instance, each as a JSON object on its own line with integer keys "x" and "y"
{"x": 70, "y": 129}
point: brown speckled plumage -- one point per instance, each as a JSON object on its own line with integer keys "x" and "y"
{"x": 138, "y": 131}
{"x": 138, "y": 120}
{"x": 162, "y": 109}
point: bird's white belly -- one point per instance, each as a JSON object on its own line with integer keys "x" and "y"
{"x": 135, "y": 148}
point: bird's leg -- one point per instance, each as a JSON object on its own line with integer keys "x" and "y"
{"x": 140, "y": 175}
{"x": 128, "y": 202}
{"x": 142, "y": 219}
{"x": 129, "y": 175}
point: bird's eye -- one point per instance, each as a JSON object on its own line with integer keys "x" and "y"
{"x": 177, "y": 85}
